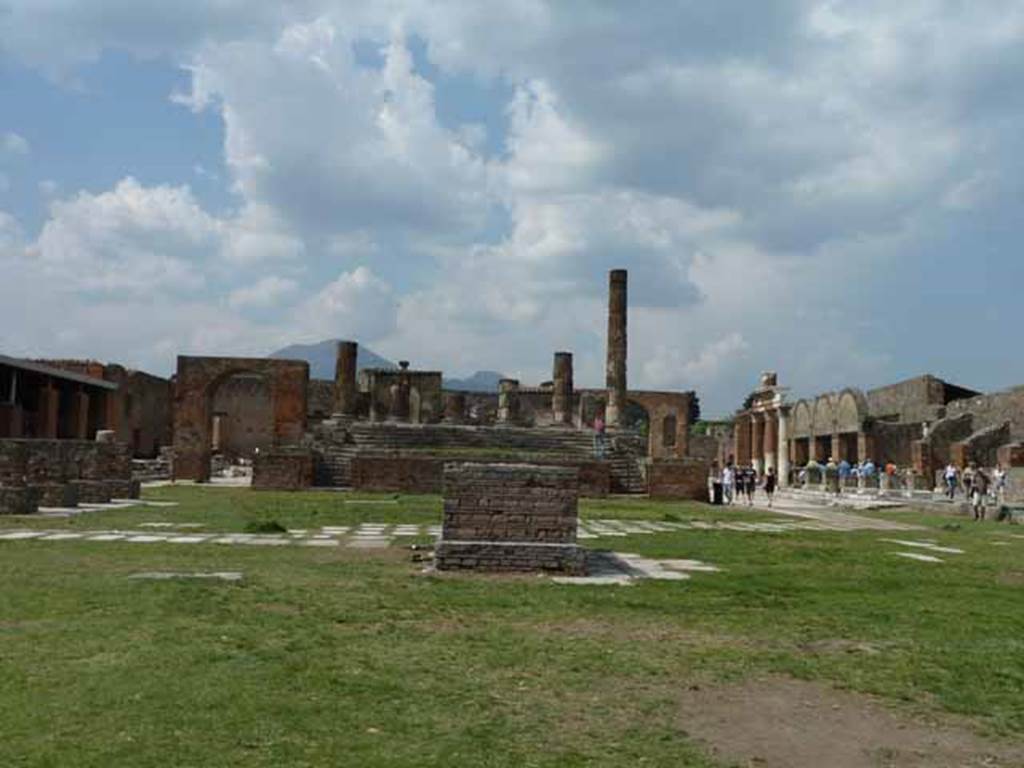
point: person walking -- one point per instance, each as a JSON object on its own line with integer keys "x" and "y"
{"x": 979, "y": 491}
{"x": 967, "y": 477}
{"x": 999, "y": 484}
{"x": 950, "y": 475}
{"x": 728, "y": 483}
{"x": 770, "y": 482}
{"x": 749, "y": 484}
{"x": 845, "y": 470}
{"x": 599, "y": 437}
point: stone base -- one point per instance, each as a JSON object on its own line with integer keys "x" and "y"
{"x": 19, "y": 501}
{"x": 510, "y": 557}
{"x": 62, "y": 495}
{"x": 125, "y": 489}
{"x": 283, "y": 470}
{"x": 93, "y": 491}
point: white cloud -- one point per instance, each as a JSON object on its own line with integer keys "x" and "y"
{"x": 131, "y": 239}
{"x": 14, "y": 144}
{"x": 267, "y": 292}
{"x": 357, "y": 304}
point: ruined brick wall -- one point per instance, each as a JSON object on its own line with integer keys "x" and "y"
{"x": 397, "y": 474}
{"x": 895, "y": 442}
{"x": 425, "y": 474}
{"x": 244, "y": 414}
{"x": 283, "y": 470}
{"x": 993, "y": 410}
{"x": 918, "y": 399}
{"x": 669, "y": 419}
{"x": 196, "y": 381}
{"x": 380, "y": 387}
{"x": 146, "y": 425}
{"x": 321, "y": 400}
{"x": 509, "y": 517}
{"x": 66, "y": 471}
{"x": 678, "y": 478}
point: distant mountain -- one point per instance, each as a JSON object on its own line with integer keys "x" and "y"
{"x": 322, "y": 357}
{"x": 481, "y": 381}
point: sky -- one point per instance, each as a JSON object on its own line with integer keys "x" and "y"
{"x": 831, "y": 190}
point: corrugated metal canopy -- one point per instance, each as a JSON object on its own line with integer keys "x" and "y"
{"x": 56, "y": 373}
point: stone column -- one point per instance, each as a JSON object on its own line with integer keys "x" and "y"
{"x": 837, "y": 447}
{"x": 47, "y": 419}
{"x": 741, "y": 439}
{"x": 866, "y": 447}
{"x": 345, "y": 392}
{"x": 508, "y": 401}
{"x": 454, "y": 407}
{"x": 784, "y": 447}
{"x": 561, "y": 393}
{"x": 79, "y": 417}
{"x": 757, "y": 442}
{"x": 771, "y": 441}
{"x": 615, "y": 379}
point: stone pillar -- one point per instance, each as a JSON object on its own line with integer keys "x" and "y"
{"x": 615, "y": 379}
{"x": 561, "y": 393}
{"x": 400, "y": 392}
{"x": 757, "y": 442}
{"x": 345, "y": 392}
{"x": 741, "y": 438}
{"x": 78, "y": 420}
{"x": 454, "y": 407}
{"x": 47, "y": 419}
{"x": 783, "y": 448}
{"x": 771, "y": 441}
{"x": 866, "y": 447}
{"x": 837, "y": 447}
{"x": 508, "y": 401}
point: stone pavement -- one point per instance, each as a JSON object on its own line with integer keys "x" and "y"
{"x": 831, "y": 515}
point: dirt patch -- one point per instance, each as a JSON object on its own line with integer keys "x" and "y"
{"x": 782, "y": 723}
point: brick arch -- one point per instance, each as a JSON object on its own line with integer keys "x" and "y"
{"x": 197, "y": 381}
{"x": 803, "y": 419}
{"x": 851, "y": 411}
{"x": 659, "y": 406}
{"x": 824, "y": 416}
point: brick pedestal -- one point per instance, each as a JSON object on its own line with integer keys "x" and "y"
{"x": 510, "y": 517}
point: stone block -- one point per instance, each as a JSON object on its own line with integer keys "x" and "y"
{"x": 678, "y": 478}
{"x": 1012, "y": 455}
{"x": 63, "y": 495}
{"x": 283, "y": 470}
{"x": 19, "y": 501}
{"x": 93, "y": 491}
{"x": 510, "y": 517}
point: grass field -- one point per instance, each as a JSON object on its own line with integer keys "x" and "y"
{"x": 324, "y": 657}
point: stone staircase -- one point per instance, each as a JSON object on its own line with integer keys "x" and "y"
{"x": 337, "y": 441}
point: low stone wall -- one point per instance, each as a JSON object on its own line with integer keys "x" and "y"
{"x": 283, "y": 470}
{"x": 510, "y": 517}
{"x": 19, "y": 501}
{"x": 66, "y": 472}
{"x": 425, "y": 474}
{"x": 678, "y": 478}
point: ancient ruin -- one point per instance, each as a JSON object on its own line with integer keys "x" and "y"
{"x": 510, "y": 517}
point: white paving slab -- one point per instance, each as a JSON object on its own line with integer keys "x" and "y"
{"x": 919, "y": 557}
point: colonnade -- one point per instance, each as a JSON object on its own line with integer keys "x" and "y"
{"x": 761, "y": 440}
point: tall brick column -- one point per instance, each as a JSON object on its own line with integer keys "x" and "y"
{"x": 345, "y": 394}
{"x": 617, "y": 349}
{"x": 757, "y": 442}
{"x": 771, "y": 440}
{"x": 561, "y": 393}
{"x": 741, "y": 438}
{"x": 508, "y": 401}
{"x": 784, "y": 447}
{"x": 49, "y": 409}
{"x": 79, "y": 417}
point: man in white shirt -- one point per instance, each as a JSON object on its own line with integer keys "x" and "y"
{"x": 728, "y": 483}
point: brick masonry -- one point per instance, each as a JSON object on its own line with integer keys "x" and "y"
{"x": 283, "y": 470}
{"x": 425, "y": 474}
{"x": 510, "y": 517}
{"x": 678, "y": 478}
{"x": 63, "y": 473}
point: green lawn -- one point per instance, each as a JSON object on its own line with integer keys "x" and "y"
{"x": 347, "y": 657}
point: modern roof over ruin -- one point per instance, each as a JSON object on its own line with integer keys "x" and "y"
{"x": 56, "y": 373}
